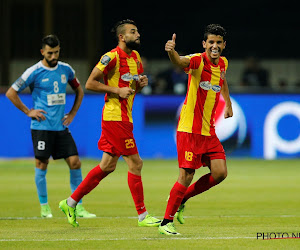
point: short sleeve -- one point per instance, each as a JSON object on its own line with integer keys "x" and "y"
{"x": 139, "y": 63}
{"x": 24, "y": 81}
{"x": 195, "y": 61}
{"x": 225, "y": 62}
{"x": 71, "y": 73}
{"x": 107, "y": 62}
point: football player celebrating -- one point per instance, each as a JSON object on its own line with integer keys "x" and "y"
{"x": 118, "y": 74}
{"x": 197, "y": 143}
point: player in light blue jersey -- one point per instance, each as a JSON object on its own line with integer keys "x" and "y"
{"x": 47, "y": 81}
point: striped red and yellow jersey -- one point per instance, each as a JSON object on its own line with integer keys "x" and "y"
{"x": 204, "y": 85}
{"x": 120, "y": 70}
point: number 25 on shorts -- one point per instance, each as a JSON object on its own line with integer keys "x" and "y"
{"x": 129, "y": 143}
{"x": 188, "y": 156}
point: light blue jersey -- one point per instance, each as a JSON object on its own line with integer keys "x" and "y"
{"x": 48, "y": 87}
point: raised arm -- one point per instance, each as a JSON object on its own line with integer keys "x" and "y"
{"x": 225, "y": 93}
{"x": 93, "y": 83}
{"x": 180, "y": 61}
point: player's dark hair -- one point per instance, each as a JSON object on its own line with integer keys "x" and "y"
{"x": 118, "y": 28}
{"x": 214, "y": 29}
{"x": 50, "y": 40}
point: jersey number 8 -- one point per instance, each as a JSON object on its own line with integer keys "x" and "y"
{"x": 41, "y": 145}
{"x": 56, "y": 88}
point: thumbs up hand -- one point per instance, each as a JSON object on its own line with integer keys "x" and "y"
{"x": 170, "y": 45}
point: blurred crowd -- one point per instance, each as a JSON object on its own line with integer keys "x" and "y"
{"x": 252, "y": 77}
{"x": 244, "y": 76}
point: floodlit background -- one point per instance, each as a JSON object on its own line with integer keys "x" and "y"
{"x": 263, "y": 73}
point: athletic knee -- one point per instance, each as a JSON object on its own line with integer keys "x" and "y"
{"x": 186, "y": 176}
{"x": 139, "y": 165}
{"x": 75, "y": 164}
{"x": 136, "y": 167}
{"x": 220, "y": 175}
{"x": 41, "y": 163}
{"x": 108, "y": 168}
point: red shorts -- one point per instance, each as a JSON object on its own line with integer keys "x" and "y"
{"x": 196, "y": 150}
{"x": 117, "y": 138}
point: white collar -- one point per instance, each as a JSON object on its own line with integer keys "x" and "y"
{"x": 48, "y": 68}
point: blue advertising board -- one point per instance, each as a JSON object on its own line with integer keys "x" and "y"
{"x": 263, "y": 126}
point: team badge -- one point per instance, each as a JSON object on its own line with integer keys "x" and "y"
{"x": 63, "y": 78}
{"x": 222, "y": 75}
{"x": 105, "y": 60}
{"x": 138, "y": 64}
{"x": 20, "y": 82}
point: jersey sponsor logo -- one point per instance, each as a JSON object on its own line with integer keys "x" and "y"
{"x": 63, "y": 78}
{"x": 56, "y": 99}
{"x": 135, "y": 77}
{"x": 105, "y": 60}
{"x": 128, "y": 77}
{"x": 216, "y": 88}
{"x": 45, "y": 80}
{"x": 206, "y": 85}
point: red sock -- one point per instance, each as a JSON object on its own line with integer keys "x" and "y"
{"x": 176, "y": 196}
{"x": 136, "y": 188}
{"x": 89, "y": 183}
{"x": 203, "y": 184}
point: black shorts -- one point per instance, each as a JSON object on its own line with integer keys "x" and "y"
{"x": 59, "y": 144}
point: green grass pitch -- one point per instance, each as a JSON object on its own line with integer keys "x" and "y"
{"x": 257, "y": 196}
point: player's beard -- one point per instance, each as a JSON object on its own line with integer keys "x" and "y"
{"x": 133, "y": 45}
{"x": 52, "y": 63}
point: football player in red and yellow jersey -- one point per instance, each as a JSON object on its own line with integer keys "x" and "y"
{"x": 197, "y": 143}
{"x": 120, "y": 70}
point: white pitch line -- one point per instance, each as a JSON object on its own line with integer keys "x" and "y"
{"x": 119, "y": 239}
{"x": 133, "y": 217}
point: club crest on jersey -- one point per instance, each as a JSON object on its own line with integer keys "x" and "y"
{"x": 128, "y": 77}
{"x": 63, "y": 78}
{"x": 105, "y": 60}
{"x": 138, "y": 63}
{"x": 222, "y": 75}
